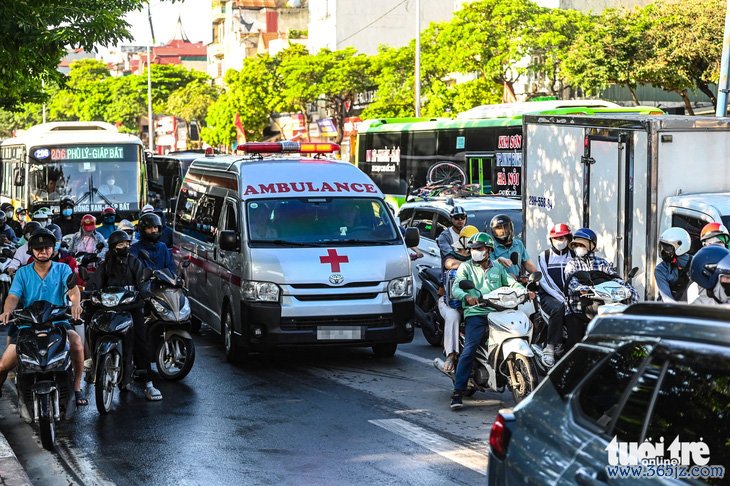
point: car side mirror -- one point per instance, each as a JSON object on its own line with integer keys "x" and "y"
{"x": 466, "y": 285}
{"x": 412, "y": 237}
{"x": 228, "y": 240}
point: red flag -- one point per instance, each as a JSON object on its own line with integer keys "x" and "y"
{"x": 508, "y": 94}
{"x": 240, "y": 132}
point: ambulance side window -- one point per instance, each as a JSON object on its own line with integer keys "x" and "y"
{"x": 197, "y": 213}
{"x": 231, "y": 222}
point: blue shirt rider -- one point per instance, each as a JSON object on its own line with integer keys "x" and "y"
{"x": 108, "y": 222}
{"x": 160, "y": 256}
{"x": 507, "y": 248}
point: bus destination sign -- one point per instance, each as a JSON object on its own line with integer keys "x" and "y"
{"x": 88, "y": 152}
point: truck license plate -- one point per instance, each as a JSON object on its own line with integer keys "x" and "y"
{"x": 336, "y": 333}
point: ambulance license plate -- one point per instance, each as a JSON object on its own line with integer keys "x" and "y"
{"x": 338, "y": 333}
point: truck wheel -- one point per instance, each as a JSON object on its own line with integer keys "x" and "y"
{"x": 385, "y": 350}
{"x": 230, "y": 346}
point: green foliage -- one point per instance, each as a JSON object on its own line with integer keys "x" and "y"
{"x": 34, "y": 36}
{"x": 394, "y": 76}
{"x": 220, "y": 129}
{"x": 191, "y": 102}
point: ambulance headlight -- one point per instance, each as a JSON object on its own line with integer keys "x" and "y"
{"x": 400, "y": 287}
{"x": 261, "y": 291}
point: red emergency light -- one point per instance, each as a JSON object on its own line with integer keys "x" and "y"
{"x": 288, "y": 147}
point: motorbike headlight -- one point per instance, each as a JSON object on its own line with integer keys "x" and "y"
{"x": 400, "y": 287}
{"x": 28, "y": 362}
{"x": 58, "y": 360}
{"x": 111, "y": 300}
{"x": 158, "y": 307}
{"x": 129, "y": 299}
{"x": 185, "y": 310}
{"x": 261, "y": 291}
{"x": 620, "y": 294}
{"x": 508, "y": 300}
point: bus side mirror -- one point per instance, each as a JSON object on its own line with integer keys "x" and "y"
{"x": 228, "y": 240}
{"x": 18, "y": 177}
{"x": 412, "y": 237}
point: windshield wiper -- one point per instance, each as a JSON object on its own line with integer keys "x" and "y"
{"x": 284, "y": 242}
{"x": 90, "y": 193}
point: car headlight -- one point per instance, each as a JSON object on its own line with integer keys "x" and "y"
{"x": 400, "y": 287}
{"x": 261, "y": 291}
{"x": 111, "y": 300}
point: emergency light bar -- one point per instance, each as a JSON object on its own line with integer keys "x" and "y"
{"x": 289, "y": 147}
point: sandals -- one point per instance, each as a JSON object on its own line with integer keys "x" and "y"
{"x": 80, "y": 400}
{"x": 450, "y": 363}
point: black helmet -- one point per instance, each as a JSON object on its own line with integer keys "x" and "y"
{"x": 117, "y": 237}
{"x": 506, "y": 221}
{"x": 457, "y": 211}
{"x": 5, "y": 206}
{"x": 67, "y": 202}
{"x": 42, "y": 238}
{"x": 30, "y": 228}
{"x": 149, "y": 220}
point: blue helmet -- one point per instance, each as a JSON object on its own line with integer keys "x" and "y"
{"x": 586, "y": 234}
{"x": 705, "y": 268}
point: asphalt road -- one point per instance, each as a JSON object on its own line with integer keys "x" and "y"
{"x": 335, "y": 416}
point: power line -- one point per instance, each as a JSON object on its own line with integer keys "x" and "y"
{"x": 371, "y": 23}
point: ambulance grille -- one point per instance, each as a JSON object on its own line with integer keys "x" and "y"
{"x": 323, "y": 297}
{"x": 326, "y": 286}
{"x": 303, "y": 323}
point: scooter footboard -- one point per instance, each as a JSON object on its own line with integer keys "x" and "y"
{"x": 517, "y": 346}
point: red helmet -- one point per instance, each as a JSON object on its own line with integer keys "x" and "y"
{"x": 109, "y": 210}
{"x": 713, "y": 229}
{"x": 559, "y": 230}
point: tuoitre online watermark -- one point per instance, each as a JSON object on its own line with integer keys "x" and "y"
{"x": 646, "y": 460}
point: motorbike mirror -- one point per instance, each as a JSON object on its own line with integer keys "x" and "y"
{"x": 147, "y": 273}
{"x": 8, "y": 252}
{"x": 514, "y": 257}
{"x": 633, "y": 272}
{"x": 466, "y": 285}
{"x": 83, "y": 273}
{"x": 534, "y": 277}
{"x": 64, "y": 245}
{"x": 412, "y": 237}
{"x": 100, "y": 246}
{"x": 72, "y": 281}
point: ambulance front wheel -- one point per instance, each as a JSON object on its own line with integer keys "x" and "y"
{"x": 385, "y": 350}
{"x": 230, "y": 343}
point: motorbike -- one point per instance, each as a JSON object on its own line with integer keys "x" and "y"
{"x": 506, "y": 357}
{"x": 44, "y": 377}
{"x": 605, "y": 295}
{"x": 426, "y": 308}
{"x": 6, "y": 256}
{"x": 106, "y": 334}
{"x": 169, "y": 325}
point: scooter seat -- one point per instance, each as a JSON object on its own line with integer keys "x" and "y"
{"x": 432, "y": 274}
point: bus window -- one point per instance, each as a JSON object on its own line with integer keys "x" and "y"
{"x": 480, "y": 172}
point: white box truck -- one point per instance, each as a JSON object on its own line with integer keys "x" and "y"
{"x": 627, "y": 177}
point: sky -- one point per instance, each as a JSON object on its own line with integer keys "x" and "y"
{"x": 196, "y": 21}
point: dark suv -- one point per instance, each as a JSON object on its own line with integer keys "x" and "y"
{"x": 656, "y": 371}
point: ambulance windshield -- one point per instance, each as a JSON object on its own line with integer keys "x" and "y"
{"x": 320, "y": 221}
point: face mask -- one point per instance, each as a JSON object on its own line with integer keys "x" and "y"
{"x": 57, "y": 247}
{"x": 560, "y": 245}
{"x": 478, "y": 256}
{"x": 9, "y": 215}
{"x": 110, "y": 182}
{"x": 67, "y": 212}
{"x": 122, "y": 252}
{"x": 581, "y": 251}
{"x": 109, "y": 219}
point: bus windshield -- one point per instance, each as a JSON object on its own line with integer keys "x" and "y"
{"x": 91, "y": 175}
{"x": 320, "y": 221}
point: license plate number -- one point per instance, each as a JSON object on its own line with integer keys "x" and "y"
{"x": 334, "y": 333}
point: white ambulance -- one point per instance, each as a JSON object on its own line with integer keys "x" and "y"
{"x": 289, "y": 250}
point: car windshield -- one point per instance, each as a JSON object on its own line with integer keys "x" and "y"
{"x": 320, "y": 221}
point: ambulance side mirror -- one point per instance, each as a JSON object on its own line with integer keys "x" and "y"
{"x": 228, "y": 240}
{"x": 412, "y": 237}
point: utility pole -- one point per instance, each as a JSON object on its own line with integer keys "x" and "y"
{"x": 43, "y": 87}
{"x": 723, "y": 85}
{"x": 418, "y": 58}
{"x": 150, "y": 116}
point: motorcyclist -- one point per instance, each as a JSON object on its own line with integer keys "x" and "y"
{"x": 22, "y": 254}
{"x": 715, "y": 234}
{"x": 127, "y": 226}
{"x": 108, "y": 222}
{"x": 672, "y": 273}
{"x": 67, "y": 221}
{"x": 449, "y": 306}
{"x": 448, "y": 237}
{"x": 7, "y": 234}
{"x": 150, "y": 226}
{"x": 486, "y": 275}
{"x": 503, "y": 232}
{"x": 21, "y": 215}
{"x": 120, "y": 269}
{"x": 165, "y": 231}
{"x": 584, "y": 246}
{"x": 87, "y": 238}
{"x": 710, "y": 270}
{"x": 552, "y": 264}
{"x": 44, "y": 280}
{"x": 51, "y": 226}
{"x": 10, "y": 220}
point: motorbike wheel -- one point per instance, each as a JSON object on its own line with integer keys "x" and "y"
{"x": 175, "y": 357}
{"x": 526, "y": 376}
{"x": 434, "y": 338}
{"x": 46, "y": 424}
{"x": 105, "y": 384}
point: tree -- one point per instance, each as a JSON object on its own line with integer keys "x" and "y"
{"x": 191, "y": 102}
{"x": 220, "y": 129}
{"x": 34, "y": 37}
{"x": 393, "y": 74}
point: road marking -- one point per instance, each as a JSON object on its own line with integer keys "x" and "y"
{"x": 415, "y": 357}
{"x": 81, "y": 466}
{"x": 444, "y": 447}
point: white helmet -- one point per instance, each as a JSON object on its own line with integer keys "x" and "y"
{"x": 677, "y": 238}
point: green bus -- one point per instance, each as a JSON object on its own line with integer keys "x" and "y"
{"x": 482, "y": 148}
